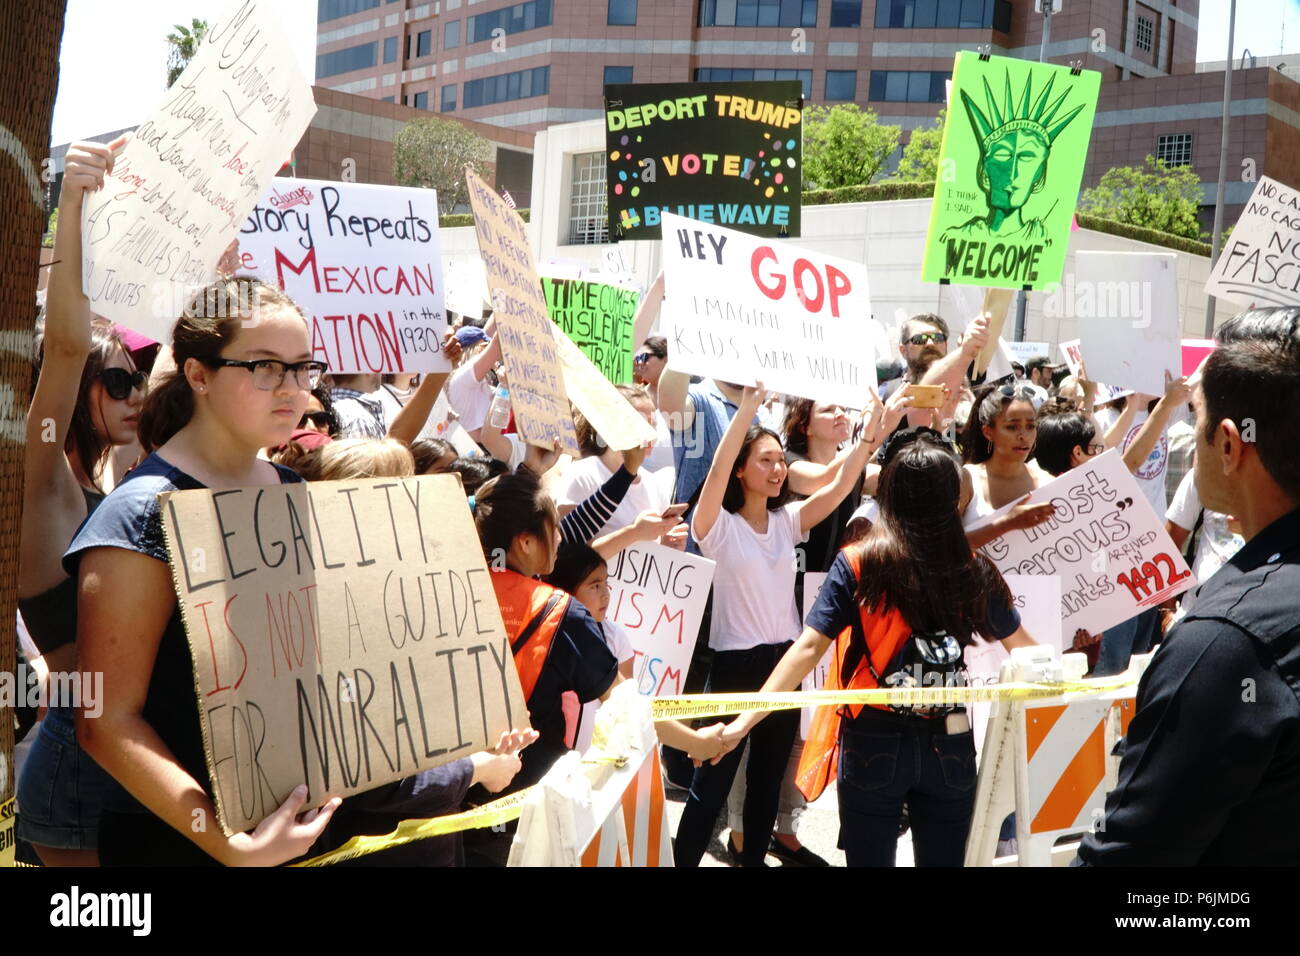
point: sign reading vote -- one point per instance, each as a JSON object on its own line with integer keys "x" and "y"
{"x": 187, "y": 178}
{"x": 1010, "y": 165}
{"x": 1260, "y": 262}
{"x": 658, "y": 595}
{"x": 344, "y": 634}
{"x": 362, "y": 263}
{"x": 1108, "y": 546}
{"x": 728, "y": 153}
{"x": 743, "y": 309}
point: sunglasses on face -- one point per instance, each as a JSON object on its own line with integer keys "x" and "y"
{"x": 119, "y": 383}
{"x": 924, "y": 338}
{"x": 642, "y": 357}
{"x": 319, "y": 419}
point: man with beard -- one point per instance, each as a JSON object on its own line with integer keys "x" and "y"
{"x": 922, "y": 340}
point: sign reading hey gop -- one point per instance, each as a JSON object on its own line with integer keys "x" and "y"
{"x": 658, "y": 595}
{"x": 1260, "y": 263}
{"x": 192, "y": 171}
{"x": 345, "y": 634}
{"x": 745, "y": 309}
{"x": 1108, "y": 546}
{"x": 363, "y": 264}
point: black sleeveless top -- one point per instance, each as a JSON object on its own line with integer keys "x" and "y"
{"x": 51, "y": 617}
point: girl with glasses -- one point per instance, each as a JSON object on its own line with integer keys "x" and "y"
{"x": 238, "y": 386}
{"x": 86, "y": 403}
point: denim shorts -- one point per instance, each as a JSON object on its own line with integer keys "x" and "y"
{"x": 61, "y": 788}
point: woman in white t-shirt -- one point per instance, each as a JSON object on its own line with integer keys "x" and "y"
{"x": 743, "y": 523}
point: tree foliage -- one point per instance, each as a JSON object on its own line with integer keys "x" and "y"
{"x": 51, "y": 225}
{"x": 432, "y": 153}
{"x": 920, "y": 162}
{"x": 844, "y": 146}
{"x": 1154, "y": 196}
{"x": 184, "y": 43}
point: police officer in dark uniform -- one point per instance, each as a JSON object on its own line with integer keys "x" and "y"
{"x": 1211, "y": 769}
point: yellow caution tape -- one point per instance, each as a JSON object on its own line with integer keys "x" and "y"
{"x": 7, "y": 838}
{"x": 489, "y": 814}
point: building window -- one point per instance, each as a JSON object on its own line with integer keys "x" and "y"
{"x": 422, "y": 101}
{"x": 346, "y": 60}
{"x": 507, "y": 86}
{"x": 449, "y": 98}
{"x": 516, "y": 19}
{"x": 451, "y": 35}
{"x": 908, "y": 86}
{"x": 588, "y": 220}
{"x": 333, "y": 9}
{"x": 1146, "y": 30}
{"x": 388, "y": 99}
{"x": 848, "y": 13}
{"x": 841, "y": 84}
{"x": 1175, "y": 150}
{"x": 618, "y": 74}
{"x": 758, "y": 13}
{"x": 726, "y": 74}
{"x": 931, "y": 14}
{"x": 424, "y": 43}
{"x": 622, "y": 13}
{"x": 390, "y": 49}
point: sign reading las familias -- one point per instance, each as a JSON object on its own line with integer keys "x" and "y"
{"x": 728, "y": 153}
{"x": 1260, "y": 261}
{"x": 192, "y": 171}
{"x": 744, "y": 309}
{"x": 363, "y": 264}
{"x": 1010, "y": 165}
{"x": 344, "y": 634}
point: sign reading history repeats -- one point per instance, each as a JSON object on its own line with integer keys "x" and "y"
{"x": 729, "y": 153}
{"x": 362, "y": 262}
{"x": 1260, "y": 262}
{"x": 744, "y": 309}
{"x": 1010, "y": 166}
{"x": 345, "y": 634}
{"x": 192, "y": 171}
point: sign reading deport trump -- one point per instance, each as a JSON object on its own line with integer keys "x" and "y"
{"x": 749, "y": 310}
{"x": 725, "y": 153}
{"x": 344, "y": 634}
{"x": 1012, "y": 158}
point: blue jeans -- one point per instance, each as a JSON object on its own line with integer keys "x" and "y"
{"x": 61, "y": 788}
{"x": 886, "y": 760}
{"x": 1137, "y": 635}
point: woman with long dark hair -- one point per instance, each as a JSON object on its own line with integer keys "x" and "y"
{"x": 900, "y": 607}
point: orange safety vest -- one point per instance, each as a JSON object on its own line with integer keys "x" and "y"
{"x": 885, "y": 631}
{"x": 533, "y": 612}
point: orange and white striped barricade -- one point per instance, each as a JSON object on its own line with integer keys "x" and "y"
{"x": 1051, "y": 760}
{"x": 605, "y": 807}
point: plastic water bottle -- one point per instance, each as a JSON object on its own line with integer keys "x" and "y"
{"x": 499, "y": 412}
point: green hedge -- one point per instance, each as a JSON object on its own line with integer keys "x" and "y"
{"x": 1142, "y": 234}
{"x": 467, "y": 219}
{"x": 875, "y": 192}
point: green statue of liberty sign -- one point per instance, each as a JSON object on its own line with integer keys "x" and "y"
{"x": 1016, "y": 152}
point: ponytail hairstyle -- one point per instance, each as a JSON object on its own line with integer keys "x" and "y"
{"x": 510, "y": 505}
{"x": 209, "y": 323}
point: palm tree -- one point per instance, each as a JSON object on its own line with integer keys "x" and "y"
{"x": 184, "y": 44}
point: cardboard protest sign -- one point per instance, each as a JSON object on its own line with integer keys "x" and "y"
{"x": 658, "y": 595}
{"x": 527, "y": 340}
{"x": 362, "y": 262}
{"x": 1108, "y": 546}
{"x": 192, "y": 171}
{"x": 1260, "y": 262}
{"x": 344, "y": 634}
{"x": 1012, "y": 158}
{"x": 745, "y": 309}
{"x": 615, "y": 419}
{"x": 1132, "y": 335}
{"x": 598, "y": 318}
{"x": 1072, "y": 353}
{"x": 729, "y": 153}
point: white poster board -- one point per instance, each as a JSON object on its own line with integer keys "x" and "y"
{"x": 362, "y": 263}
{"x": 1022, "y": 352}
{"x": 192, "y": 171}
{"x": 743, "y": 308}
{"x": 1108, "y": 546}
{"x": 658, "y": 595}
{"x": 1072, "y": 353}
{"x": 1132, "y": 336}
{"x": 1260, "y": 262}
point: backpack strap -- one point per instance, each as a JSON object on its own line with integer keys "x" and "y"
{"x": 530, "y": 629}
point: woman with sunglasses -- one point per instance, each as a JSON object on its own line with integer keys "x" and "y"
{"x": 86, "y": 402}
{"x": 238, "y": 386}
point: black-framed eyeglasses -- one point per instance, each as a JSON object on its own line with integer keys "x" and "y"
{"x": 924, "y": 338}
{"x": 321, "y": 419}
{"x": 119, "y": 383}
{"x": 269, "y": 374}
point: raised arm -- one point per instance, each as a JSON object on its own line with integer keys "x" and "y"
{"x": 1176, "y": 393}
{"x": 409, "y": 421}
{"x": 724, "y": 460}
{"x": 951, "y": 369}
